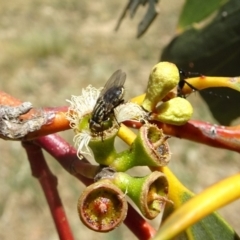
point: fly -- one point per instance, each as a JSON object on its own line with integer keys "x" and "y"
{"x": 182, "y": 81}
{"x": 110, "y": 97}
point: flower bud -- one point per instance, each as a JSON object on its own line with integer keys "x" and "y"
{"x": 163, "y": 78}
{"x": 176, "y": 111}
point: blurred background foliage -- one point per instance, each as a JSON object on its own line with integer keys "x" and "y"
{"x": 210, "y": 47}
{"x": 50, "y": 50}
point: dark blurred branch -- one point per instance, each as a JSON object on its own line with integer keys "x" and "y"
{"x": 150, "y": 15}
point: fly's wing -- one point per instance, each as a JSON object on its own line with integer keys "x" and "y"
{"x": 116, "y": 80}
{"x": 109, "y": 96}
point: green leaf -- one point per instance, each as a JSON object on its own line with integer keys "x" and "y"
{"x": 195, "y": 11}
{"x": 212, "y": 50}
{"x": 212, "y": 227}
{"x": 194, "y": 213}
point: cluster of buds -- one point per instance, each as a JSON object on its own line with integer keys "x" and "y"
{"x": 161, "y": 96}
{"x": 102, "y": 206}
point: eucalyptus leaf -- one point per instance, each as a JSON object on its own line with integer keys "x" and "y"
{"x": 195, "y": 11}
{"x": 211, "y": 227}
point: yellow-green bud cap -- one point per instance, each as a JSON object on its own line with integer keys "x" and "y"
{"x": 163, "y": 78}
{"x": 176, "y": 111}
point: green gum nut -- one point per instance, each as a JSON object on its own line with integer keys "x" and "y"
{"x": 163, "y": 78}
{"x": 149, "y": 193}
{"x": 176, "y": 111}
{"x": 103, "y": 147}
{"x": 150, "y": 148}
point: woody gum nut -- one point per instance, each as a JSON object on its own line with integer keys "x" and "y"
{"x": 149, "y": 193}
{"x": 163, "y": 78}
{"x": 150, "y": 148}
{"x": 102, "y": 206}
{"x": 176, "y": 111}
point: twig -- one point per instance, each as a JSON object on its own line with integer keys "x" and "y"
{"x": 48, "y": 182}
{"x": 202, "y": 132}
{"x": 206, "y": 133}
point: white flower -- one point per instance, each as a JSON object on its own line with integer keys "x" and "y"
{"x": 81, "y": 106}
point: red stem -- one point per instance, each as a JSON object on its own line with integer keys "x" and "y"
{"x": 64, "y": 153}
{"x": 206, "y": 133}
{"x": 201, "y": 132}
{"x": 48, "y": 181}
{"x": 138, "y": 225}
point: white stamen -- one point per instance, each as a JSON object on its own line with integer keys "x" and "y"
{"x": 80, "y": 106}
{"x": 81, "y": 141}
{"x": 129, "y": 111}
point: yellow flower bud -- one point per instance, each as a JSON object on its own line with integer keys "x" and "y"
{"x": 176, "y": 111}
{"x": 163, "y": 78}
